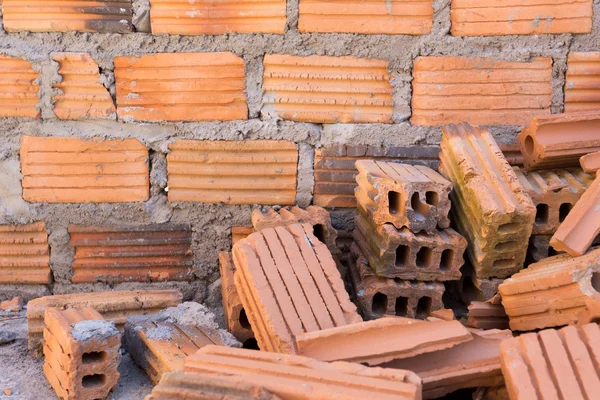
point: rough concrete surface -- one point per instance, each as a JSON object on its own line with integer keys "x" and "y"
{"x": 96, "y": 329}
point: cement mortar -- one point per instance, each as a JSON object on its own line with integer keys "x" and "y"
{"x": 94, "y": 329}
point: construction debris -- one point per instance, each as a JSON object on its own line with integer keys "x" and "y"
{"x": 14, "y": 305}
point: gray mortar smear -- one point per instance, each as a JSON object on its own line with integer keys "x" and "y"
{"x": 97, "y": 329}
{"x": 159, "y": 333}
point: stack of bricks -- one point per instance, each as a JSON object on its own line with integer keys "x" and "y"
{"x": 404, "y": 244}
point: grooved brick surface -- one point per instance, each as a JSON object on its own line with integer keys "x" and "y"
{"x": 233, "y": 172}
{"x": 114, "y": 254}
{"x": 591, "y": 313}
{"x": 582, "y": 86}
{"x": 487, "y": 316}
{"x": 520, "y": 17}
{"x": 392, "y": 17}
{"x": 324, "y": 89}
{"x": 479, "y": 91}
{"x": 19, "y": 96}
{"x": 512, "y": 153}
{"x": 235, "y": 314}
{"x": 240, "y": 232}
{"x": 181, "y": 87}
{"x": 24, "y": 254}
{"x": 67, "y": 15}
{"x": 489, "y": 205}
{"x": 70, "y": 170}
{"x": 217, "y": 17}
{"x": 83, "y": 96}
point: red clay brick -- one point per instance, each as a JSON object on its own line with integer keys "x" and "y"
{"x": 19, "y": 97}
{"x": 235, "y": 314}
{"x": 181, "y": 87}
{"x": 590, "y": 162}
{"x": 487, "y": 316}
{"x": 233, "y": 172}
{"x": 324, "y": 89}
{"x": 558, "y": 141}
{"x": 479, "y": 91}
{"x": 591, "y": 313}
{"x": 240, "y": 232}
{"x": 582, "y": 89}
{"x": 70, "y": 170}
{"x": 14, "y": 305}
{"x": 392, "y": 17}
{"x": 24, "y": 254}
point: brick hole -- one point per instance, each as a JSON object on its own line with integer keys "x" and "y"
{"x": 402, "y": 256}
{"x": 250, "y": 344}
{"x": 421, "y": 210}
{"x": 469, "y": 288}
{"x": 512, "y": 227}
{"x": 596, "y": 281}
{"x": 319, "y": 232}
{"x": 424, "y": 257}
{"x": 93, "y": 357}
{"x": 446, "y": 260}
{"x": 529, "y": 145}
{"x": 506, "y": 246}
{"x": 92, "y": 381}
{"x": 394, "y": 202}
{"x": 503, "y": 263}
{"x": 432, "y": 198}
{"x": 564, "y": 210}
{"x": 423, "y": 307}
{"x": 552, "y": 252}
{"x": 541, "y": 216}
{"x": 595, "y": 321}
{"x": 379, "y": 306}
{"x": 401, "y": 308}
{"x": 244, "y": 319}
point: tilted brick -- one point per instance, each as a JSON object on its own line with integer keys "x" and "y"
{"x": 590, "y": 162}
{"x": 24, "y": 254}
{"x": 19, "y": 95}
{"x": 181, "y": 87}
{"x": 489, "y": 205}
{"x": 582, "y": 86}
{"x": 240, "y": 232}
{"x": 487, "y": 316}
{"x": 148, "y": 253}
{"x": 235, "y": 314}
{"x": 392, "y": 17}
{"x": 479, "y": 91}
{"x": 233, "y": 172}
{"x": 324, "y": 89}
{"x": 70, "y": 170}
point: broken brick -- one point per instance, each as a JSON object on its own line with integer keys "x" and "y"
{"x": 409, "y": 196}
{"x": 24, "y": 254}
{"x": 19, "y": 98}
{"x": 581, "y": 85}
{"x": 487, "y": 316}
{"x": 235, "y": 314}
{"x": 240, "y": 232}
{"x": 590, "y": 162}
{"x": 489, "y": 205}
{"x": 14, "y": 305}
{"x": 233, "y": 172}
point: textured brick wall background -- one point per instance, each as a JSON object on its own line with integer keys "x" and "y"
{"x": 109, "y": 176}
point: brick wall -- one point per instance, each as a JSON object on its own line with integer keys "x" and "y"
{"x": 159, "y": 124}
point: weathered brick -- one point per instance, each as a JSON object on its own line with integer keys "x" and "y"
{"x": 70, "y": 170}
{"x": 491, "y": 393}
{"x": 233, "y": 172}
{"x": 235, "y": 314}
{"x": 479, "y": 91}
{"x": 148, "y": 253}
{"x": 24, "y": 254}
{"x": 19, "y": 96}
{"x": 181, "y": 87}
{"x": 489, "y": 205}
{"x": 392, "y": 17}
{"x": 14, "y": 305}
{"x": 240, "y": 232}
{"x": 324, "y": 89}
{"x": 487, "y": 316}
{"x": 590, "y": 162}
{"x": 582, "y": 86}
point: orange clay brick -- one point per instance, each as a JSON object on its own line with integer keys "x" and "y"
{"x": 148, "y": 253}
{"x": 81, "y": 352}
{"x": 392, "y": 17}
{"x": 217, "y": 17}
{"x": 582, "y": 86}
{"x": 295, "y": 377}
{"x": 240, "y": 232}
{"x": 14, "y": 305}
{"x": 520, "y": 17}
{"x": 553, "y": 364}
{"x": 551, "y": 292}
{"x": 558, "y": 141}
{"x": 233, "y": 172}
{"x": 83, "y": 96}
{"x": 487, "y": 316}
{"x": 19, "y": 97}
{"x": 324, "y": 89}
{"x": 70, "y": 170}
{"x": 67, "y": 15}
{"x": 591, "y": 313}
{"x": 235, "y": 314}
{"x": 590, "y": 162}
{"x": 24, "y": 254}
{"x": 479, "y": 91}
{"x": 512, "y": 153}
{"x": 289, "y": 284}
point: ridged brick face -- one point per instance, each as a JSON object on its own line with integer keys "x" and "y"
{"x": 232, "y": 172}
{"x": 181, "y": 87}
{"x": 393, "y": 17}
{"x": 479, "y": 91}
{"x": 582, "y": 88}
{"x": 70, "y": 170}
{"x": 67, "y": 15}
{"x": 323, "y": 89}
{"x": 217, "y": 17}
{"x": 24, "y": 254}
{"x": 520, "y": 17}
{"x": 19, "y": 95}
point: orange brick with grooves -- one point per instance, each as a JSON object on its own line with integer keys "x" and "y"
{"x": 24, "y": 254}
{"x": 236, "y": 318}
{"x": 582, "y": 88}
{"x": 20, "y": 95}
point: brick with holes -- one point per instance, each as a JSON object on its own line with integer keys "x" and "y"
{"x": 404, "y": 195}
{"x": 235, "y": 314}
{"x": 81, "y": 353}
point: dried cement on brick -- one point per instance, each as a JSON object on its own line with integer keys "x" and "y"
{"x": 96, "y": 329}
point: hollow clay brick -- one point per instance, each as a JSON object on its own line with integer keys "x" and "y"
{"x": 235, "y": 314}
{"x": 323, "y": 89}
{"x": 581, "y": 227}
{"x": 393, "y": 17}
{"x": 590, "y": 162}
{"x": 217, "y": 17}
{"x": 553, "y": 364}
{"x": 67, "y": 15}
{"x": 472, "y": 364}
{"x": 83, "y": 96}
{"x": 559, "y": 141}
{"x": 335, "y": 169}
{"x": 114, "y": 306}
{"x": 512, "y": 153}
{"x": 377, "y": 296}
{"x": 409, "y": 196}
{"x": 71, "y": 170}
{"x": 382, "y": 340}
{"x": 24, "y": 254}
{"x": 487, "y": 316}
{"x": 14, "y": 305}
{"x": 394, "y": 253}
{"x": 233, "y": 172}
{"x": 19, "y": 96}
{"x": 289, "y": 284}
{"x": 591, "y": 313}
{"x": 240, "y": 232}
{"x": 551, "y": 292}
{"x": 520, "y": 17}
{"x": 81, "y": 353}
{"x": 301, "y": 378}
{"x": 150, "y": 253}
{"x": 582, "y": 92}
{"x": 489, "y": 205}
{"x": 181, "y": 87}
